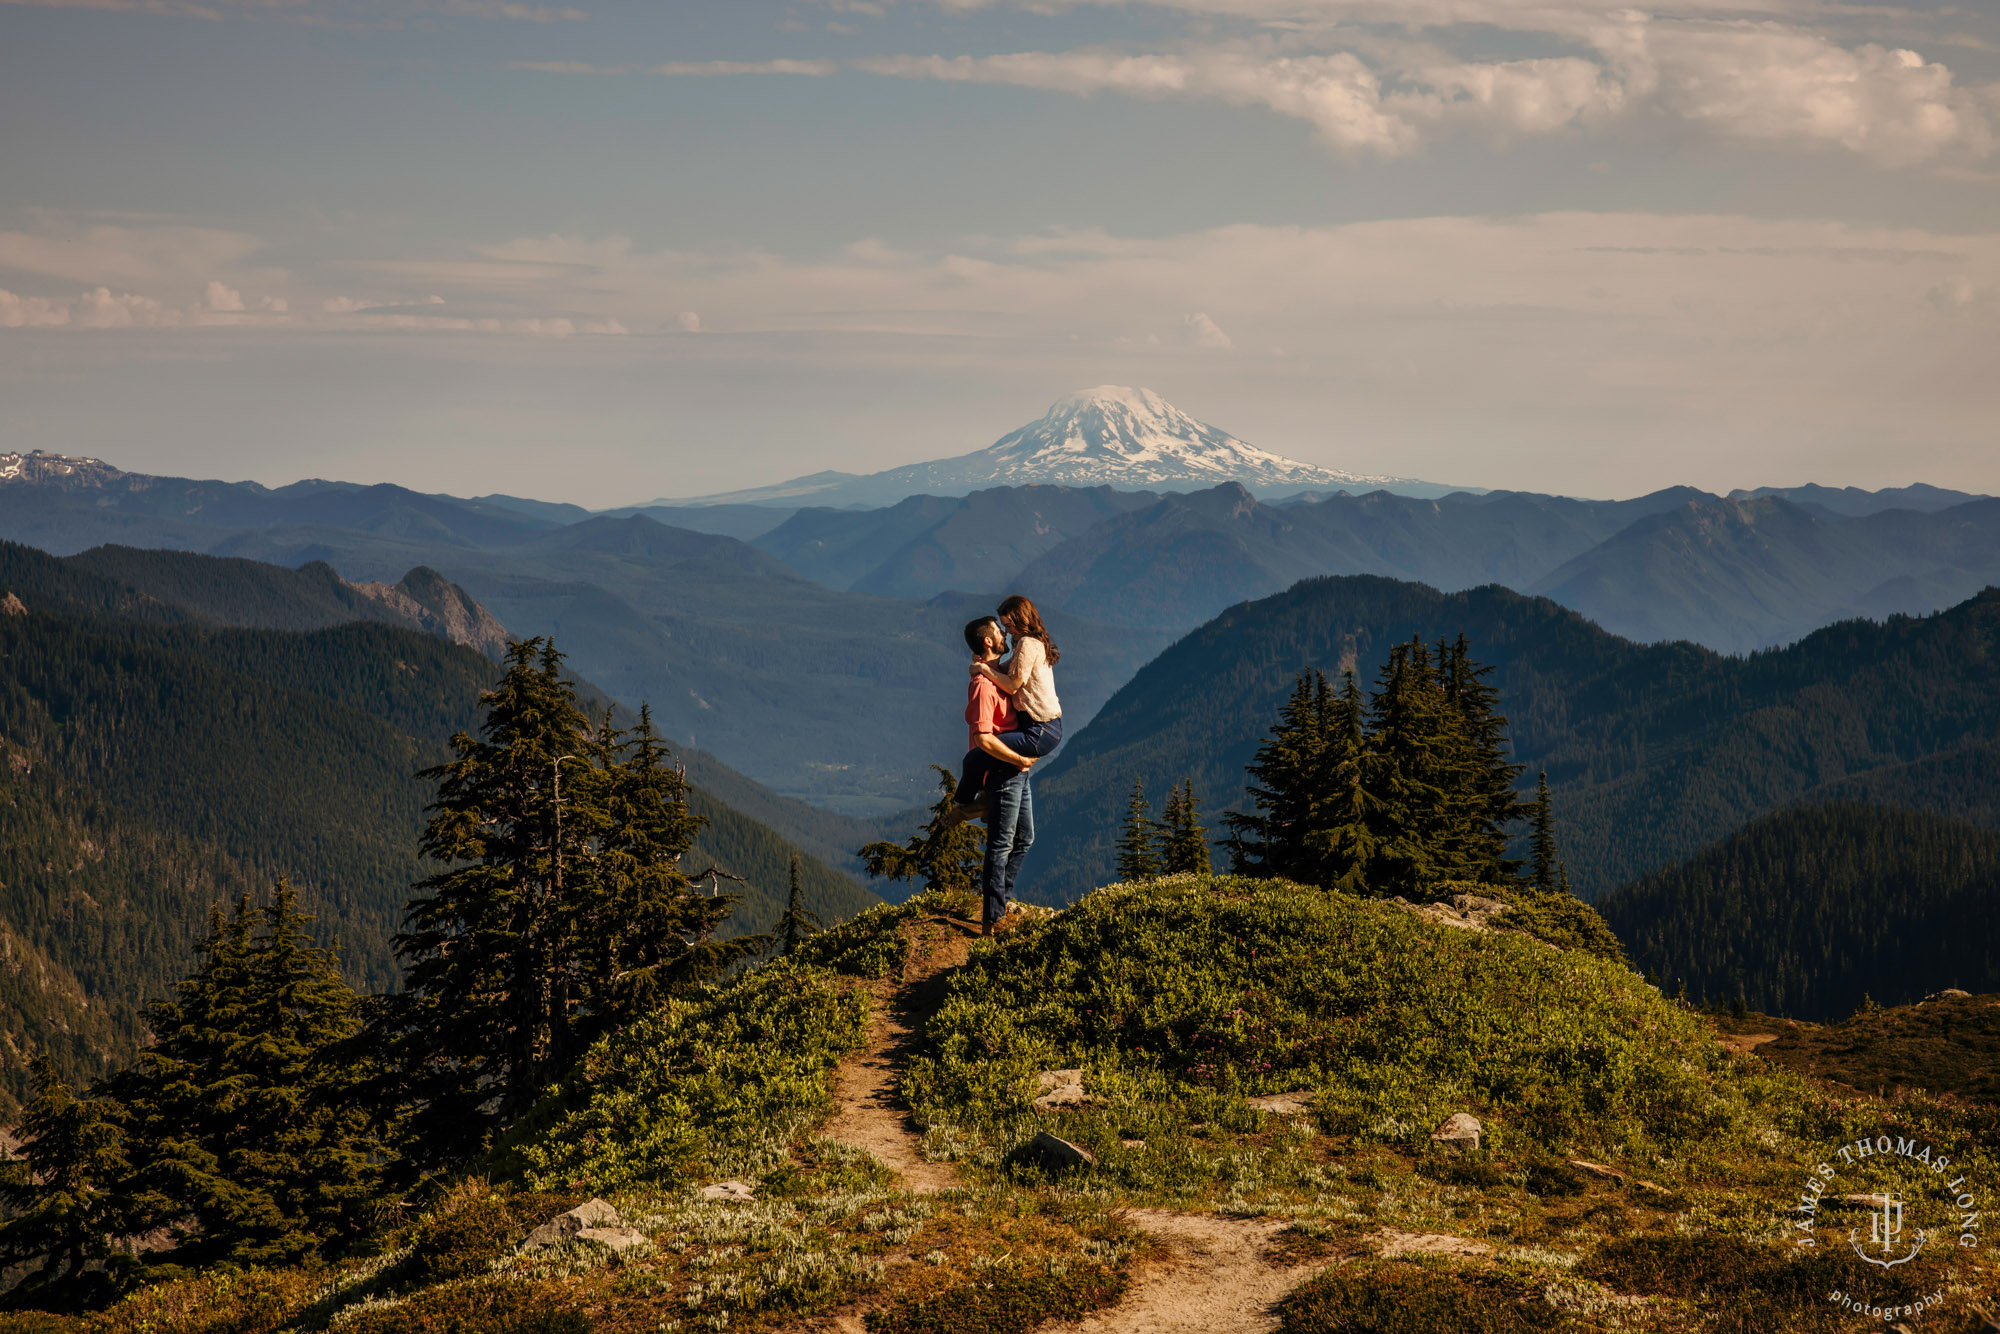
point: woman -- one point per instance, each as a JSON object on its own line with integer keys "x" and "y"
{"x": 1028, "y": 680}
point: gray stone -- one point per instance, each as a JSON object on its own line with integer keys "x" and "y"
{"x": 1461, "y": 1130}
{"x": 1057, "y": 1154}
{"x": 598, "y": 1213}
{"x": 1469, "y": 912}
{"x": 1060, "y": 1088}
{"x": 739, "y": 1191}
{"x": 617, "y": 1238}
{"x": 1949, "y": 993}
{"x": 1283, "y": 1104}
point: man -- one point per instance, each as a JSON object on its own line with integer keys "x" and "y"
{"x": 1010, "y": 810}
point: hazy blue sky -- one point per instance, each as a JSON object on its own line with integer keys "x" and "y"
{"x": 613, "y": 251}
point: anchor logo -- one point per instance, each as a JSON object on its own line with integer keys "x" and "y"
{"x": 1885, "y": 1234}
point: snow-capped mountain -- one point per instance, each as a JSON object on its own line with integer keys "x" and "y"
{"x": 72, "y": 470}
{"x": 1131, "y": 439}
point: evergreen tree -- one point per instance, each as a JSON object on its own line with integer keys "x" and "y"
{"x": 798, "y": 921}
{"x": 243, "y": 1121}
{"x": 1392, "y": 795}
{"x": 645, "y": 930}
{"x": 1542, "y": 837}
{"x": 1481, "y": 778}
{"x": 63, "y": 1192}
{"x": 941, "y": 855}
{"x": 483, "y": 1023}
{"x": 1343, "y": 852}
{"x": 1186, "y": 843}
{"x": 1288, "y": 784}
{"x": 561, "y": 911}
{"x": 1139, "y": 841}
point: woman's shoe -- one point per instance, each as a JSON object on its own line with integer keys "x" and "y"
{"x": 959, "y": 814}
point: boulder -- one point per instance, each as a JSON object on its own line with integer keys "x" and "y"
{"x": 741, "y": 1192}
{"x": 1461, "y": 1130}
{"x": 1060, "y": 1088}
{"x": 1057, "y": 1155}
{"x": 597, "y": 1213}
{"x": 1469, "y": 912}
{"x": 1949, "y": 993}
{"x": 1283, "y": 1104}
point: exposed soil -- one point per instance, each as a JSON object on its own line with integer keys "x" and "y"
{"x": 869, "y": 1111}
{"x": 1220, "y": 1279}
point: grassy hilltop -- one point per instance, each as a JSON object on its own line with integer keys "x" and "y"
{"x": 1634, "y": 1172}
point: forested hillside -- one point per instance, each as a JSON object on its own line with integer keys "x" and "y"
{"x": 1807, "y": 911}
{"x": 153, "y": 769}
{"x": 1652, "y": 751}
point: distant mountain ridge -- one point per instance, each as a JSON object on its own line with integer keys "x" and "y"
{"x": 1111, "y": 435}
{"x": 1652, "y": 751}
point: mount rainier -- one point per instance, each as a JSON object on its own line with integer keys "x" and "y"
{"x": 1131, "y": 439}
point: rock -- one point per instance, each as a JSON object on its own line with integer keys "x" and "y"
{"x": 1461, "y": 1130}
{"x": 1283, "y": 1104}
{"x": 598, "y": 1213}
{"x": 1057, "y": 1154}
{"x": 1060, "y": 1088}
{"x": 617, "y": 1238}
{"x": 741, "y": 1192}
{"x": 1470, "y": 912}
{"x": 1949, "y": 993}
{"x": 12, "y": 606}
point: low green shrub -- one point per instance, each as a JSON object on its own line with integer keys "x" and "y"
{"x": 470, "y": 1229}
{"x": 1190, "y": 987}
{"x": 722, "y": 1078}
{"x": 1009, "y": 1300}
{"x": 1553, "y": 917}
{"x": 1552, "y": 1179}
{"x": 501, "y": 1306}
{"x": 38, "y": 1322}
{"x": 1414, "y": 1299}
{"x": 1748, "y": 1288}
{"x": 254, "y": 1301}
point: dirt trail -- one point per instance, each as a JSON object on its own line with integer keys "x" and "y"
{"x": 868, "y": 1115}
{"x": 1219, "y": 1280}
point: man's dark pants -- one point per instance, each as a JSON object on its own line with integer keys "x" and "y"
{"x": 1010, "y": 828}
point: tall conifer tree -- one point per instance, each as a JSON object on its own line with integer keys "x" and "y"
{"x": 798, "y": 921}
{"x": 1139, "y": 840}
{"x": 1542, "y": 837}
{"x": 1186, "y": 847}
{"x": 64, "y": 1193}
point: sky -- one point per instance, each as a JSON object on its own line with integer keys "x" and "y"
{"x": 609, "y": 252}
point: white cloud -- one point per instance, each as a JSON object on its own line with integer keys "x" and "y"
{"x": 31, "y": 312}
{"x": 1202, "y": 331}
{"x": 689, "y": 322}
{"x": 222, "y": 297}
{"x": 1760, "y": 81}
{"x": 1763, "y": 82}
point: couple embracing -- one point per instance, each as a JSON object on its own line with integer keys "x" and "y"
{"x": 1014, "y": 719}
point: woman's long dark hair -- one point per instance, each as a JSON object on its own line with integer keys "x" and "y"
{"x": 1028, "y": 621}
